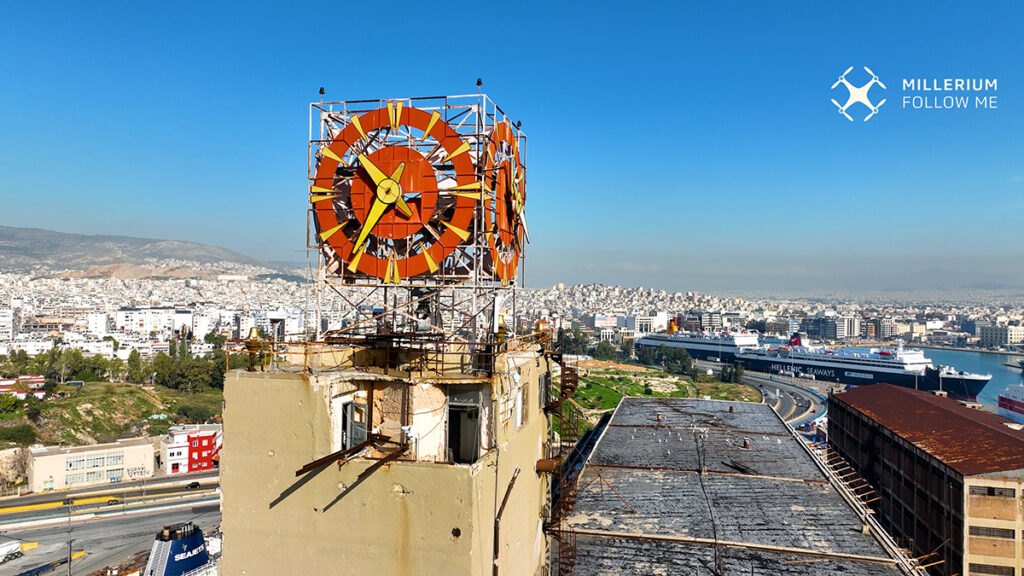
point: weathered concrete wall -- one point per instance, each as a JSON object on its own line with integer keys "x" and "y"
{"x": 405, "y": 518}
{"x": 1000, "y": 512}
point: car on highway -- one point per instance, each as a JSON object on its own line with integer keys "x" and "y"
{"x": 68, "y": 501}
{"x": 192, "y": 486}
{"x": 114, "y": 502}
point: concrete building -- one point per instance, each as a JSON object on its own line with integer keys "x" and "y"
{"x": 8, "y": 324}
{"x": 159, "y": 319}
{"x": 58, "y": 468}
{"x": 99, "y": 324}
{"x": 996, "y": 336}
{"x": 190, "y": 448}
{"x": 387, "y": 461}
{"x": 950, "y": 478}
{"x": 884, "y": 328}
{"x": 703, "y": 487}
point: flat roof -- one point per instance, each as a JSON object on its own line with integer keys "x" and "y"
{"x": 705, "y": 485}
{"x": 54, "y": 450}
{"x": 967, "y": 440}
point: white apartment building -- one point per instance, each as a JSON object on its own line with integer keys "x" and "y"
{"x": 144, "y": 320}
{"x": 31, "y": 346}
{"x": 99, "y": 324}
{"x": 203, "y": 324}
{"x": 8, "y": 324}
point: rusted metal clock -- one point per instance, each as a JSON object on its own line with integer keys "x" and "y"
{"x": 394, "y": 193}
{"x": 506, "y": 223}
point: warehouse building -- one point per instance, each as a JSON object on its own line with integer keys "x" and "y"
{"x": 949, "y": 477}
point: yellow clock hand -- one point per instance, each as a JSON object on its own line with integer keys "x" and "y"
{"x": 371, "y": 169}
{"x": 376, "y": 211}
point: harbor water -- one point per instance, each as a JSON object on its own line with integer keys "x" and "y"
{"x": 981, "y": 363}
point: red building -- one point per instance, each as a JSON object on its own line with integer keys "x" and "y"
{"x": 190, "y": 448}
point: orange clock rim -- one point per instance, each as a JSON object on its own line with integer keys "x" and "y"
{"x": 326, "y": 218}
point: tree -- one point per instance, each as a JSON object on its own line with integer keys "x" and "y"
{"x": 216, "y": 339}
{"x": 626, "y": 349}
{"x": 573, "y": 341}
{"x": 136, "y": 372}
{"x": 67, "y": 362}
{"x": 8, "y": 403}
{"x": 677, "y": 360}
{"x": 112, "y": 339}
{"x": 604, "y": 351}
{"x": 647, "y": 355}
{"x": 115, "y": 369}
{"x": 758, "y": 325}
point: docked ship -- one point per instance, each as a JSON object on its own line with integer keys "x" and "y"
{"x": 858, "y": 366}
{"x": 181, "y": 550}
{"x": 1011, "y": 402}
{"x": 855, "y": 366}
{"x": 714, "y": 346}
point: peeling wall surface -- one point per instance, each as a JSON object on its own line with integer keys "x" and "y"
{"x": 404, "y": 518}
{"x": 675, "y": 486}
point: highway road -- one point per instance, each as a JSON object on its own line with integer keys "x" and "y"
{"x": 106, "y": 542}
{"x": 109, "y": 501}
{"x": 793, "y": 401}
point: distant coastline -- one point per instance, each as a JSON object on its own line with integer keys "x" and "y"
{"x": 956, "y": 349}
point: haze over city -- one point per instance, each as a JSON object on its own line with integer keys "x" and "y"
{"x": 676, "y": 146}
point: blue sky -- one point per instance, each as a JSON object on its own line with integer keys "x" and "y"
{"x": 680, "y": 145}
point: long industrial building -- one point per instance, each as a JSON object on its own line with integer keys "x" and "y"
{"x": 685, "y": 486}
{"x": 950, "y": 477}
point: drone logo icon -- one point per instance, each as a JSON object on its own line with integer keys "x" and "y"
{"x": 858, "y": 94}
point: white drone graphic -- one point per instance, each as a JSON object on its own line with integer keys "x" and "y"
{"x": 858, "y": 94}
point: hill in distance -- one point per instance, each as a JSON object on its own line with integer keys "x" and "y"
{"x": 34, "y": 249}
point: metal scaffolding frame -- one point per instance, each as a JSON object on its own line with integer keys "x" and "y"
{"x": 463, "y": 296}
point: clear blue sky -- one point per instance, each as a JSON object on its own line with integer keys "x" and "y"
{"x": 680, "y": 145}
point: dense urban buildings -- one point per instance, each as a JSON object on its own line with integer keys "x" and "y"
{"x": 950, "y": 477}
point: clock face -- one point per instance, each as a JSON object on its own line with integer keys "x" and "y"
{"x": 394, "y": 195}
{"x": 506, "y": 177}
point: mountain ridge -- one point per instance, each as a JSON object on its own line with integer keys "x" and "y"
{"x": 25, "y": 249}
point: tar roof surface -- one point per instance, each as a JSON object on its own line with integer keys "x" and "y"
{"x": 969, "y": 441}
{"x": 643, "y": 507}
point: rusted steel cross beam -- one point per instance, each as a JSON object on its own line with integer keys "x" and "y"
{"x": 340, "y": 454}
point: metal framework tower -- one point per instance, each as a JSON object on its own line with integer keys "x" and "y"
{"x": 417, "y": 216}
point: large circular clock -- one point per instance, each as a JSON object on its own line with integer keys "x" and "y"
{"x": 506, "y": 177}
{"x": 394, "y": 193}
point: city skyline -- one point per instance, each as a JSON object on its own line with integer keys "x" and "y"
{"x": 703, "y": 153}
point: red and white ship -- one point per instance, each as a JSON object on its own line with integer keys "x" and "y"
{"x": 1011, "y": 403}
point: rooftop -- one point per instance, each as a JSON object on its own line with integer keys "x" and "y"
{"x": 52, "y": 450}
{"x": 760, "y": 506}
{"x": 967, "y": 440}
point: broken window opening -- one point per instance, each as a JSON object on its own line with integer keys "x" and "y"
{"x": 464, "y": 425}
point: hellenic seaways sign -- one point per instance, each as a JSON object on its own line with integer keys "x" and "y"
{"x": 178, "y": 549}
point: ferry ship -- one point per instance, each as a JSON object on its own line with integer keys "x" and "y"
{"x": 714, "y": 346}
{"x": 1011, "y": 402}
{"x": 181, "y": 550}
{"x": 855, "y": 366}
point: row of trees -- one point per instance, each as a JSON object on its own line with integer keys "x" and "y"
{"x": 673, "y": 359}
{"x": 177, "y": 369}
